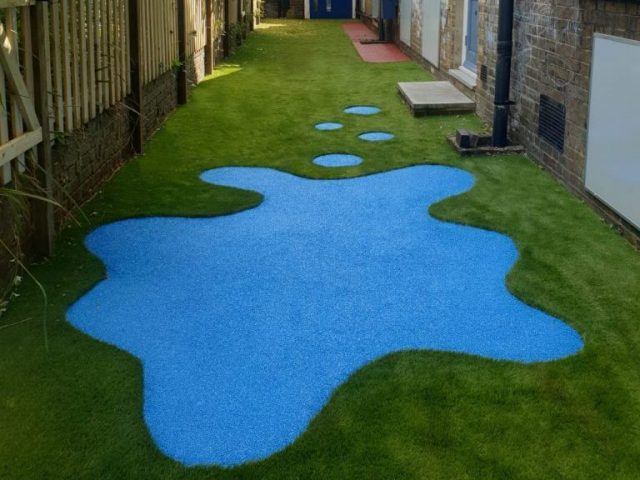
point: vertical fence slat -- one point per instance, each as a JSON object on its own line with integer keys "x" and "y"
{"x": 68, "y": 82}
{"x": 5, "y": 171}
{"x": 112, "y": 54}
{"x": 83, "y": 45}
{"x": 74, "y": 31}
{"x": 57, "y": 67}
{"x": 91, "y": 52}
{"x": 25, "y": 45}
{"x": 104, "y": 84}
{"x": 117, "y": 59}
{"x": 11, "y": 23}
{"x": 124, "y": 48}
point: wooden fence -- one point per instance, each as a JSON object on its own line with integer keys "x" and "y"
{"x": 65, "y": 61}
{"x": 89, "y": 67}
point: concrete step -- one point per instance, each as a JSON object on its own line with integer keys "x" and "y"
{"x": 434, "y": 98}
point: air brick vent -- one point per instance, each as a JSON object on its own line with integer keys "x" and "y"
{"x": 483, "y": 73}
{"x": 551, "y": 122}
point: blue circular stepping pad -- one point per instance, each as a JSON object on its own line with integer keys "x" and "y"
{"x": 329, "y": 126}
{"x": 337, "y": 160}
{"x": 362, "y": 110}
{"x": 376, "y": 136}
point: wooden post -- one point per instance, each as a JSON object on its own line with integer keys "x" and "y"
{"x": 135, "y": 99}
{"x": 182, "y": 53}
{"x": 226, "y": 41}
{"x": 241, "y": 18}
{"x": 252, "y": 12}
{"x": 42, "y": 211}
{"x": 209, "y": 48}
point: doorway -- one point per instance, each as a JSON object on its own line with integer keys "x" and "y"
{"x": 471, "y": 36}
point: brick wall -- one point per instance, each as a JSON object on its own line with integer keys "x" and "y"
{"x": 12, "y": 237}
{"x": 552, "y": 56}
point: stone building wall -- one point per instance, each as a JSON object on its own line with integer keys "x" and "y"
{"x": 416, "y": 26}
{"x": 451, "y": 34}
{"x": 552, "y": 56}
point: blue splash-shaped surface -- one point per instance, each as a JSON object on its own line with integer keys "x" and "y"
{"x": 333, "y": 160}
{"x": 246, "y": 323}
{"x": 362, "y": 110}
{"x": 376, "y": 136}
{"x": 327, "y": 126}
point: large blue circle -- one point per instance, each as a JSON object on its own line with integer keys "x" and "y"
{"x": 362, "y": 110}
{"x": 337, "y": 160}
{"x": 376, "y": 136}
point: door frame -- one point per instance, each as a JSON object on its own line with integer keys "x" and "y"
{"x": 465, "y": 32}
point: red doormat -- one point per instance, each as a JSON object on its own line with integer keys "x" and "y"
{"x": 372, "y": 52}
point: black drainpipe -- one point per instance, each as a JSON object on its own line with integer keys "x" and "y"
{"x": 503, "y": 73}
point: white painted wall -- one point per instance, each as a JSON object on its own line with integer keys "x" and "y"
{"x": 613, "y": 145}
{"x": 405, "y": 21}
{"x": 431, "y": 31}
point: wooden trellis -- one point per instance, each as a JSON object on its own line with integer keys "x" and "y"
{"x": 20, "y": 129}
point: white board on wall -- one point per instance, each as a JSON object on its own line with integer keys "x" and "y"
{"x": 613, "y": 142}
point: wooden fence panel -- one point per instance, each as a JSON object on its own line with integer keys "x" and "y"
{"x": 196, "y": 18}
{"x": 158, "y": 37}
{"x": 88, "y": 69}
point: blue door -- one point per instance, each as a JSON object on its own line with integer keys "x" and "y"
{"x": 471, "y": 40}
{"x": 331, "y": 8}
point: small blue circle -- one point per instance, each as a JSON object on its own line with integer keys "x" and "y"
{"x": 362, "y": 110}
{"x": 376, "y": 136}
{"x": 329, "y": 126}
{"x": 337, "y": 160}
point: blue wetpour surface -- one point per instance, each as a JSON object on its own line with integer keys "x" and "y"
{"x": 333, "y": 160}
{"x": 376, "y": 136}
{"x": 362, "y": 110}
{"x": 329, "y": 126}
{"x": 246, "y": 323}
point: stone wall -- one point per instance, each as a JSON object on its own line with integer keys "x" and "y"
{"x": 416, "y": 25}
{"x": 552, "y": 56}
{"x": 451, "y": 36}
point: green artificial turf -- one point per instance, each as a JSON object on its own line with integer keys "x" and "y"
{"x": 76, "y": 412}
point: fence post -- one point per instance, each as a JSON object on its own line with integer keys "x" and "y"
{"x": 135, "y": 99}
{"x": 226, "y": 41}
{"x": 209, "y": 48}
{"x": 252, "y": 12}
{"x": 182, "y": 53}
{"x": 43, "y": 218}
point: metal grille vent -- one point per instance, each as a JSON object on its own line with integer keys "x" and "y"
{"x": 551, "y": 122}
{"x": 483, "y": 73}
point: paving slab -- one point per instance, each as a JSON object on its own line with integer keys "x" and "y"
{"x": 429, "y": 98}
{"x": 372, "y": 52}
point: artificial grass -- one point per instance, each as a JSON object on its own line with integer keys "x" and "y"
{"x": 76, "y": 412}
